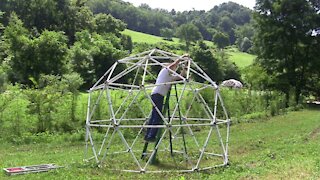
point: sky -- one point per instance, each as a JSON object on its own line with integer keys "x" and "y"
{"x": 184, "y": 5}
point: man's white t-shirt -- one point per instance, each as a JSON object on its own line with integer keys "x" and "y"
{"x": 164, "y": 76}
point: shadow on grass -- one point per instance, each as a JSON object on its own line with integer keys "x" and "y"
{"x": 312, "y": 106}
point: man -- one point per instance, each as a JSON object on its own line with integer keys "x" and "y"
{"x": 158, "y": 94}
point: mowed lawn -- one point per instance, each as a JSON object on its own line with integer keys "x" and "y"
{"x": 139, "y": 37}
{"x": 241, "y": 59}
{"x": 283, "y": 147}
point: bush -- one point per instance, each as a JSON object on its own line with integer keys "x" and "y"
{"x": 15, "y": 119}
{"x": 249, "y": 104}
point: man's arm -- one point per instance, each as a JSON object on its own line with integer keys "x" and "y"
{"x": 183, "y": 72}
{"x": 173, "y": 66}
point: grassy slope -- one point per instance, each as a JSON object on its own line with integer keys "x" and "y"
{"x": 140, "y": 37}
{"x": 241, "y": 59}
{"x": 284, "y": 147}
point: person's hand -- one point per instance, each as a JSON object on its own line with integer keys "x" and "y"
{"x": 185, "y": 55}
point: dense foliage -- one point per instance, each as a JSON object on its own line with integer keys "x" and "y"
{"x": 56, "y": 38}
{"x": 188, "y": 33}
{"x": 287, "y": 49}
{"x": 59, "y": 37}
{"x": 225, "y": 18}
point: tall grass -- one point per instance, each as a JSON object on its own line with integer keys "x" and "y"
{"x": 25, "y": 112}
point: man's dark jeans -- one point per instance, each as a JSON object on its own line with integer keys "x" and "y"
{"x": 155, "y": 117}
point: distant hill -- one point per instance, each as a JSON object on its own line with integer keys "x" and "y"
{"x": 241, "y": 59}
{"x": 226, "y": 18}
{"x": 139, "y": 37}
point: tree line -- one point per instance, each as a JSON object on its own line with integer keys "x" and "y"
{"x": 53, "y": 37}
{"x": 226, "y": 24}
{"x": 56, "y": 38}
{"x": 288, "y": 51}
{"x": 61, "y": 37}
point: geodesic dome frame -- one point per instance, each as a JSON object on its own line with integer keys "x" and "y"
{"x": 198, "y": 132}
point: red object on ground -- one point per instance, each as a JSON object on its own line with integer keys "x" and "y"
{"x": 15, "y": 169}
{"x": 30, "y": 169}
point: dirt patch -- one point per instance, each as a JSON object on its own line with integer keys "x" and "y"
{"x": 290, "y": 173}
{"x": 315, "y": 133}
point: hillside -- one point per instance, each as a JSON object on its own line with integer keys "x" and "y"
{"x": 139, "y": 37}
{"x": 224, "y": 17}
{"x": 241, "y": 59}
{"x": 283, "y": 147}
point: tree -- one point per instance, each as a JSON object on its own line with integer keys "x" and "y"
{"x": 244, "y": 32}
{"x": 126, "y": 42}
{"x": 18, "y": 49}
{"x": 104, "y": 23}
{"x": 167, "y": 33}
{"x": 54, "y": 15}
{"x": 29, "y": 57}
{"x": 245, "y": 45}
{"x": 1, "y": 40}
{"x": 188, "y": 33}
{"x": 285, "y": 48}
{"x": 228, "y": 69}
{"x": 81, "y": 58}
{"x": 93, "y": 54}
{"x": 204, "y": 29}
{"x": 77, "y": 18}
{"x": 256, "y": 77}
{"x": 145, "y": 6}
{"x": 227, "y": 26}
{"x": 1, "y": 25}
{"x": 202, "y": 55}
{"x": 212, "y": 18}
{"x": 50, "y": 54}
{"x": 3, "y": 65}
{"x": 46, "y": 14}
{"x": 73, "y": 82}
{"x": 221, "y": 39}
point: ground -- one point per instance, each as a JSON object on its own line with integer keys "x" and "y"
{"x": 282, "y": 147}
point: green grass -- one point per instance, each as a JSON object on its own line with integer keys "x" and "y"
{"x": 241, "y": 59}
{"x": 283, "y": 147}
{"x": 139, "y": 37}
